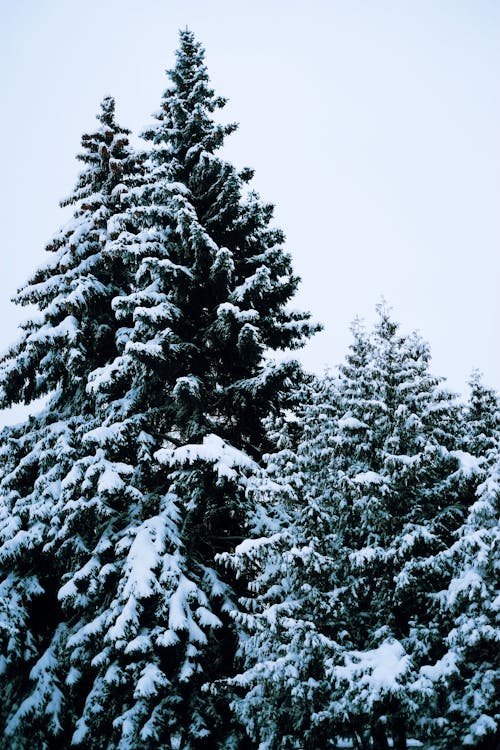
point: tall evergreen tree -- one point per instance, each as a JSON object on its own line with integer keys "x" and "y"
{"x": 159, "y": 480}
{"x": 73, "y": 333}
{"x": 329, "y": 637}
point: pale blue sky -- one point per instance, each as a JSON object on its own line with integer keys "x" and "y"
{"x": 373, "y": 126}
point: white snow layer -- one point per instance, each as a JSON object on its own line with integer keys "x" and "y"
{"x": 469, "y": 465}
{"x": 377, "y": 670}
{"x": 351, "y": 423}
{"x": 226, "y": 460}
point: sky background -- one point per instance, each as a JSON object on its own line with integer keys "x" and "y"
{"x": 373, "y": 126}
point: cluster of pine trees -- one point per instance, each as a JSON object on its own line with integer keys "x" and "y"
{"x": 201, "y": 546}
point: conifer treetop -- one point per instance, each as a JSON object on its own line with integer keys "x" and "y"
{"x": 166, "y": 292}
{"x": 185, "y": 125}
{"x": 213, "y": 282}
{"x": 63, "y": 343}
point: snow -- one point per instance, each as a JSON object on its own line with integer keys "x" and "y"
{"x": 378, "y": 670}
{"x": 469, "y": 464}
{"x": 226, "y": 459}
{"x": 110, "y": 481}
{"x": 441, "y": 669}
{"x": 83, "y": 291}
{"x": 46, "y": 694}
{"x": 143, "y": 559}
{"x": 150, "y": 680}
{"x": 113, "y": 675}
{"x": 178, "y": 616}
{"x": 351, "y": 423}
{"x": 227, "y": 308}
{"x": 140, "y": 644}
{"x": 368, "y": 478}
{"x": 74, "y": 675}
{"x": 127, "y": 618}
{"x": 468, "y": 583}
{"x": 248, "y": 546}
{"x": 483, "y": 726}
{"x": 413, "y": 536}
{"x": 67, "y": 328}
{"x": 167, "y": 638}
{"x": 348, "y": 744}
{"x": 149, "y": 348}
{"x": 111, "y": 434}
{"x": 80, "y": 732}
{"x": 207, "y": 618}
{"x": 70, "y": 590}
{"x": 87, "y": 631}
{"x": 361, "y": 556}
{"x": 403, "y": 460}
{"x": 260, "y": 281}
{"x": 158, "y": 315}
{"x": 103, "y": 376}
{"x": 187, "y": 385}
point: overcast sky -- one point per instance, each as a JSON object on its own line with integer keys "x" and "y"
{"x": 373, "y": 126}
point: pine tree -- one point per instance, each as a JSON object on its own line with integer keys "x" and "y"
{"x": 286, "y": 626}
{"x": 159, "y": 479}
{"x": 463, "y": 680}
{"x": 73, "y": 333}
{"x": 472, "y": 684}
{"x": 60, "y": 347}
{"x": 375, "y": 486}
{"x": 482, "y": 418}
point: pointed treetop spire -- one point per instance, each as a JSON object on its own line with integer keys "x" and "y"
{"x": 107, "y": 113}
{"x": 386, "y": 326}
{"x": 185, "y": 123}
{"x": 64, "y": 342}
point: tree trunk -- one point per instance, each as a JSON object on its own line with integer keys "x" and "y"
{"x": 379, "y": 737}
{"x": 399, "y": 734}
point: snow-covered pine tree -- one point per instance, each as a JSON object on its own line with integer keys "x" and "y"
{"x": 482, "y": 418}
{"x": 463, "y": 680}
{"x": 286, "y": 626}
{"x": 162, "y": 484}
{"x": 373, "y": 489}
{"x": 72, "y": 334}
{"x": 61, "y": 345}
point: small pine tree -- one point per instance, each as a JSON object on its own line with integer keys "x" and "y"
{"x": 286, "y": 624}
{"x": 373, "y": 487}
{"x": 463, "y": 682}
{"x": 482, "y": 418}
{"x": 472, "y": 684}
